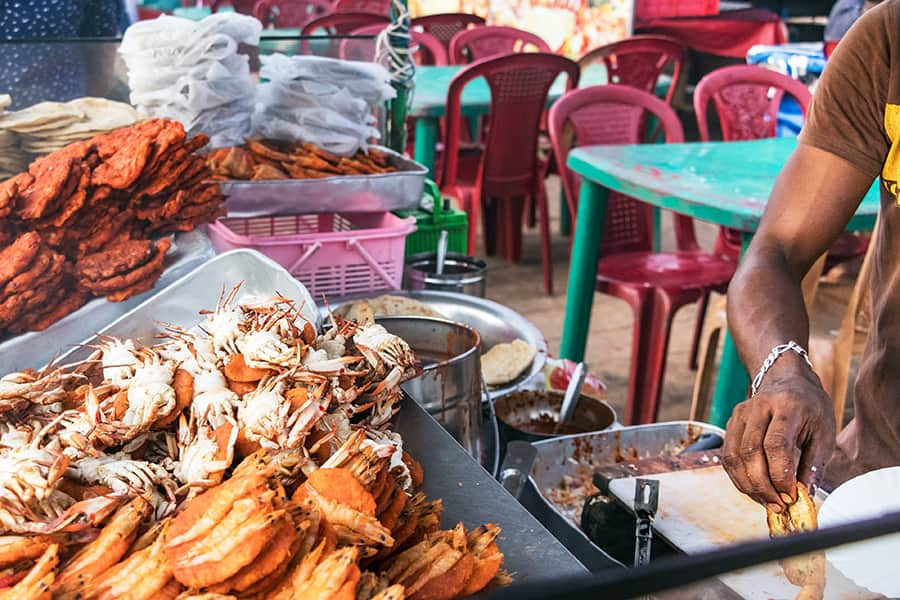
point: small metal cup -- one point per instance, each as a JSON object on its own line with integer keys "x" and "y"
{"x": 462, "y": 274}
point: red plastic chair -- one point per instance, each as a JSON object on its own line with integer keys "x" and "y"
{"x": 656, "y": 285}
{"x": 429, "y": 51}
{"x": 446, "y": 25}
{"x": 639, "y": 61}
{"x": 376, "y": 7}
{"x": 507, "y": 170}
{"x": 146, "y": 14}
{"x": 290, "y": 13}
{"x": 746, "y": 100}
{"x": 338, "y": 24}
{"x": 488, "y": 41}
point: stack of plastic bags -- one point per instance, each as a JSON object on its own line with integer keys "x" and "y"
{"x": 328, "y": 102}
{"x": 191, "y": 71}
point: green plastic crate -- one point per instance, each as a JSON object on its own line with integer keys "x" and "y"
{"x": 431, "y": 222}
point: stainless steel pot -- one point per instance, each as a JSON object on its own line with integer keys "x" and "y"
{"x": 462, "y": 274}
{"x": 449, "y": 387}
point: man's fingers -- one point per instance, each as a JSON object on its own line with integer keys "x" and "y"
{"x": 779, "y": 444}
{"x": 813, "y": 458}
{"x": 754, "y": 457}
{"x": 731, "y": 451}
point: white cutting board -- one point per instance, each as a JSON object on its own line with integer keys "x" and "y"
{"x": 701, "y": 510}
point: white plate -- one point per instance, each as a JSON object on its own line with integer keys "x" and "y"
{"x": 872, "y": 564}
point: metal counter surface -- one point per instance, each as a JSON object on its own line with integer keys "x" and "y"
{"x": 472, "y": 496}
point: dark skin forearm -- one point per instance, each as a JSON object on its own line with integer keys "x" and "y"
{"x": 786, "y": 432}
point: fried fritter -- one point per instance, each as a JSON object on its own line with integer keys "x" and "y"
{"x": 18, "y": 256}
{"x": 149, "y": 270}
{"x": 124, "y": 168}
{"x": 66, "y": 301}
{"x": 50, "y": 177}
{"x": 31, "y": 274}
{"x": 115, "y": 259}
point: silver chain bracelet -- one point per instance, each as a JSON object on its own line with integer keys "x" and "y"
{"x": 776, "y": 352}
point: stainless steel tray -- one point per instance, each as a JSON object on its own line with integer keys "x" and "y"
{"x": 469, "y": 493}
{"x": 564, "y": 468}
{"x": 494, "y": 322}
{"x": 181, "y": 302}
{"x": 401, "y": 190}
{"x": 38, "y": 348}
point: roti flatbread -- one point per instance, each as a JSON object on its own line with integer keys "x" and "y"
{"x": 365, "y": 311}
{"x": 504, "y": 363}
{"x": 43, "y": 115}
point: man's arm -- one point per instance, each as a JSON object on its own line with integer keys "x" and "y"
{"x": 814, "y": 198}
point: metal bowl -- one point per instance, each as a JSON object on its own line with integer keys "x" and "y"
{"x": 533, "y": 415}
{"x": 495, "y": 323}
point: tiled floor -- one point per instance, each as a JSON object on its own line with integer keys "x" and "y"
{"x": 520, "y": 287}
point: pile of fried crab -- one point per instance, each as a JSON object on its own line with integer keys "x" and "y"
{"x": 247, "y": 457}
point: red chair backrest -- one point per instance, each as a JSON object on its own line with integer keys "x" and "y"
{"x": 290, "y": 13}
{"x": 429, "y": 50}
{"x": 639, "y": 61}
{"x": 746, "y": 99}
{"x": 445, "y": 26}
{"x": 376, "y": 7}
{"x": 337, "y": 24}
{"x": 242, "y": 6}
{"x": 614, "y": 114}
{"x": 519, "y": 84}
{"x": 490, "y": 41}
{"x": 145, "y": 14}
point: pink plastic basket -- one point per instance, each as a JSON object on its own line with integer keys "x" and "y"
{"x": 332, "y": 254}
{"x": 653, "y": 9}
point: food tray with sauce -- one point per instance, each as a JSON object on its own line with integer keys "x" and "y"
{"x": 562, "y": 476}
{"x": 400, "y": 190}
{"x": 468, "y": 492}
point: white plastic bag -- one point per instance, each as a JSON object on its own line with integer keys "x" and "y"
{"x": 191, "y": 71}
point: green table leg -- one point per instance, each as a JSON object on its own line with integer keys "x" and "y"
{"x": 565, "y": 220}
{"x": 733, "y": 381}
{"x": 583, "y": 272}
{"x": 426, "y": 141}
{"x": 657, "y": 229}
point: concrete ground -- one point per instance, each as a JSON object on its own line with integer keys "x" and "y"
{"x": 608, "y": 355}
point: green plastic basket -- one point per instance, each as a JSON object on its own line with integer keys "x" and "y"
{"x": 430, "y": 223}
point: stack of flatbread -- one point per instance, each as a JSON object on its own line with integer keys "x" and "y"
{"x": 49, "y": 126}
{"x": 366, "y": 311}
{"x": 12, "y": 158}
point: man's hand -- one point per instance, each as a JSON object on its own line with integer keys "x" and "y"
{"x": 814, "y": 198}
{"x": 788, "y": 414}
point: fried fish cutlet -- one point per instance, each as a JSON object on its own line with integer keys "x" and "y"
{"x": 19, "y": 255}
{"x": 149, "y": 270}
{"x": 115, "y": 259}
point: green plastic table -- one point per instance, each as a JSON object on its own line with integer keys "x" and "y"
{"x": 429, "y": 102}
{"x": 725, "y": 183}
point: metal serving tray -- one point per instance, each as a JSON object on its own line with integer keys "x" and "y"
{"x": 494, "y": 322}
{"x": 39, "y": 347}
{"x": 401, "y": 190}
{"x": 181, "y": 302}
{"x": 562, "y": 474}
{"x": 469, "y": 493}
